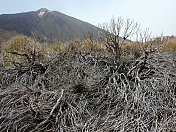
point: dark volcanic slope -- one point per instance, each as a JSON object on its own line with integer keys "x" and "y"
{"x": 43, "y": 23}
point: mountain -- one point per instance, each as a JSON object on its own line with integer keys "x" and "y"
{"x": 45, "y": 25}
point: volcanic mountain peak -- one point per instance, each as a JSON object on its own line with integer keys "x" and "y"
{"x": 53, "y": 25}
{"x": 42, "y": 11}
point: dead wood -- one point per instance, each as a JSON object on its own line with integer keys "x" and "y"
{"x": 82, "y": 93}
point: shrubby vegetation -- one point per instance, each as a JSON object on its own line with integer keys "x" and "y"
{"x": 170, "y": 45}
{"x": 80, "y": 86}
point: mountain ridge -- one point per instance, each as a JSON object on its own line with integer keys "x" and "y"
{"x": 46, "y": 25}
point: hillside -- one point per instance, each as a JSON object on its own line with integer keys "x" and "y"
{"x": 45, "y": 25}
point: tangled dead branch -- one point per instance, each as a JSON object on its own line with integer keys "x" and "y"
{"x": 88, "y": 92}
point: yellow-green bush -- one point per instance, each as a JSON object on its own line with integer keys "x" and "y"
{"x": 25, "y": 45}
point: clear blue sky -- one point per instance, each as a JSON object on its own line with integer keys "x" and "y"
{"x": 157, "y": 15}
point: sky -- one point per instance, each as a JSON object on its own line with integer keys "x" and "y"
{"x": 157, "y": 15}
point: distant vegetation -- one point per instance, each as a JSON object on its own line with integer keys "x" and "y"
{"x": 105, "y": 84}
{"x": 45, "y": 51}
{"x": 169, "y": 45}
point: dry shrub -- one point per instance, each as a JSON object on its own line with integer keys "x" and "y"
{"x": 170, "y": 45}
{"x": 87, "y": 92}
{"x": 162, "y": 43}
{"x": 130, "y": 47}
{"x": 92, "y": 46}
{"x": 55, "y": 48}
{"x": 24, "y": 45}
{"x": 89, "y": 45}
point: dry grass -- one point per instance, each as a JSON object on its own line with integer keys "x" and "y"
{"x": 89, "y": 45}
{"x": 170, "y": 45}
{"x": 131, "y": 47}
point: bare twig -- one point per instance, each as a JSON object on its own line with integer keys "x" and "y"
{"x": 51, "y": 113}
